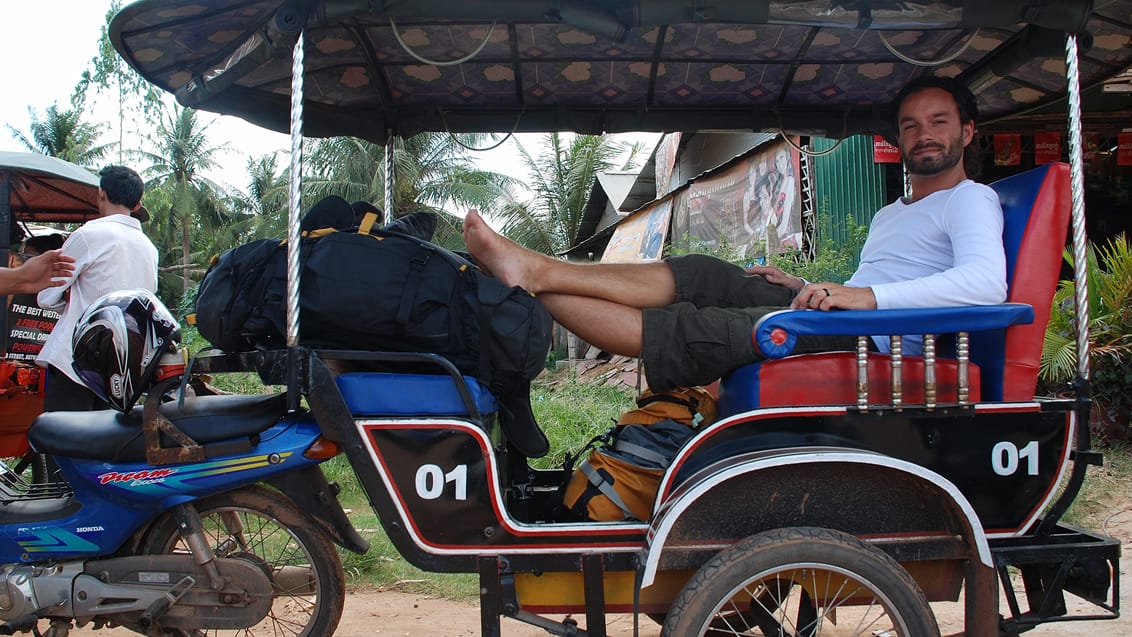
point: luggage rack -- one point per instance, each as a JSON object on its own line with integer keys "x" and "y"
{"x": 1069, "y": 559}
{"x": 275, "y": 368}
{"x": 14, "y": 488}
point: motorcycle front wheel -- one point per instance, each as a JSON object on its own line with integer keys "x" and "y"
{"x": 263, "y": 527}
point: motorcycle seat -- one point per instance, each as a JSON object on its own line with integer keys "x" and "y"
{"x": 116, "y": 436}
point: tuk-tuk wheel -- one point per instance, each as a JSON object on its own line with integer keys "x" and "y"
{"x": 801, "y": 581}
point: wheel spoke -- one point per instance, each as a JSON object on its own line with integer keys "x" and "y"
{"x": 253, "y": 525}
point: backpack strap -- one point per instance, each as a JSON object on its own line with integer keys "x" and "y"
{"x": 693, "y": 405}
{"x": 367, "y": 223}
{"x": 412, "y": 283}
{"x": 606, "y": 488}
{"x": 644, "y": 453}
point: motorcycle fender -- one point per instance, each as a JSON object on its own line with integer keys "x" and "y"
{"x": 310, "y": 490}
{"x": 870, "y": 495}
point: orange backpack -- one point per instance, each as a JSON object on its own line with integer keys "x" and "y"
{"x": 619, "y": 478}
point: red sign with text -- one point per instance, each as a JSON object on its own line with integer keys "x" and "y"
{"x": 1124, "y": 149}
{"x": 884, "y": 152}
{"x": 1047, "y": 148}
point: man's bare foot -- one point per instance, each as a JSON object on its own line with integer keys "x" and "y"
{"x": 504, "y": 259}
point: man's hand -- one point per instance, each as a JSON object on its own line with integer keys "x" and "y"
{"x": 47, "y": 270}
{"x": 777, "y": 276}
{"x": 833, "y": 296}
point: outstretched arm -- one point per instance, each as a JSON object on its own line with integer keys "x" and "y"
{"x": 49, "y": 269}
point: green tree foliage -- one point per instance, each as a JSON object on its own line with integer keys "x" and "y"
{"x": 193, "y": 213}
{"x": 561, "y": 179}
{"x": 432, "y": 171}
{"x": 833, "y": 262}
{"x": 63, "y": 134}
{"x": 1110, "y": 335}
{"x": 268, "y": 197}
{"x": 108, "y": 72}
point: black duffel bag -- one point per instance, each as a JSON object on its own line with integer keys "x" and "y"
{"x": 382, "y": 290}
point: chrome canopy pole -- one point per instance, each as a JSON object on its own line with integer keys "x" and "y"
{"x": 1083, "y": 442}
{"x": 296, "y": 193}
{"x": 1077, "y": 187}
{"x": 389, "y": 176}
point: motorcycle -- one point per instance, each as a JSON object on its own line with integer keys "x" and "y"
{"x": 176, "y": 549}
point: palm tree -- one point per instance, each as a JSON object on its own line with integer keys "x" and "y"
{"x": 107, "y": 71}
{"x": 562, "y": 177}
{"x": 197, "y": 207}
{"x": 432, "y": 171}
{"x": 63, "y": 134}
{"x": 267, "y": 199}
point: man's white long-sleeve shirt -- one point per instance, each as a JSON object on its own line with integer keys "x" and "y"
{"x": 942, "y": 250}
{"x": 111, "y": 253}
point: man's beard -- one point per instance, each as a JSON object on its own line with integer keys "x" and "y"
{"x": 949, "y": 156}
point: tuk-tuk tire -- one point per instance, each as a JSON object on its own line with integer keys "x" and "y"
{"x": 770, "y": 554}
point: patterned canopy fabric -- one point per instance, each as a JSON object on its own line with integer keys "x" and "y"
{"x": 827, "y": 67}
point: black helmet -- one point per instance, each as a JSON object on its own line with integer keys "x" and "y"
{"x": 118, "y": 343}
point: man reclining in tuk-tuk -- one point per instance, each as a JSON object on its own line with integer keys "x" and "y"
{"x": 690, "y": 318}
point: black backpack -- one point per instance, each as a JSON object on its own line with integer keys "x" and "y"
{"x": 392, "y": 291}
{"x": 383, "y": 290}
{"x": 238, "y": 303}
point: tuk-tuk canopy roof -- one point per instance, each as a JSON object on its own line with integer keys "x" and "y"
{"x": 825, "y": 67}
{"x": 45, "y": 188}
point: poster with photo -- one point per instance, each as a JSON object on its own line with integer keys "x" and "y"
{"x": 665, "y": 163}
{"x": 641, "y": 236}
{"x": 754, "y": 206}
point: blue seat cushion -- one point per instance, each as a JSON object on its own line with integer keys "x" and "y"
{"x": 386, "y": 394}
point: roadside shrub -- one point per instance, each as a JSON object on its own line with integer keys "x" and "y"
{"x": 1110, "y": 337}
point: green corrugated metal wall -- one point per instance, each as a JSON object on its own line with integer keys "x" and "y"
{"x": 846, "y": 184}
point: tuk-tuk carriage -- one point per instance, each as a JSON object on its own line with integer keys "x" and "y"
{"x": 838, "y": 493}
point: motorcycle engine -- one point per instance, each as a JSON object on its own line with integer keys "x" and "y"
{"x": 27, "y": 589}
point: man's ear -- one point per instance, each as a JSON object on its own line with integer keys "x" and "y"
{"x": 968, "y": 133}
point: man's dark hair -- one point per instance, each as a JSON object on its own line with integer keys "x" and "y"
{"x": 122, "y": 185}
{"x": 964, "y": 100}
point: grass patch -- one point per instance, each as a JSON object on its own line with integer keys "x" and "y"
{"x": 1105, "y": 488}
{"x": 572, "y": 413}
{"x": 235, "y": 382}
